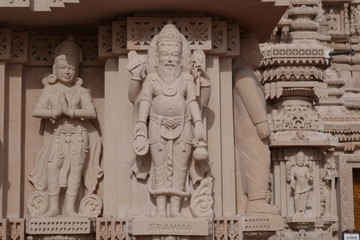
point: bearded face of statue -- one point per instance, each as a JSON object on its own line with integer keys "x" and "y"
{"x": 169, "y": 61}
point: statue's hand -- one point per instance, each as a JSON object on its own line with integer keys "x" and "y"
{"x": 140, "y": 142}
{"x": 140, "y": 129}
{"x": 136, "y": 65}
{"x": 65, "y": 107}
{"x": 205, "y": 78}
{"x": 263, "y": 130}
{"x": 199, "y": 132}
{"x": 57, "y": 111}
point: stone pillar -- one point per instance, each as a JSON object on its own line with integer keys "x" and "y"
{"x": 303, "y": 173}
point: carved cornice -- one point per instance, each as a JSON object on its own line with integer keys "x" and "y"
{"x": 298, "y": 73}
{"x": 294, "y": 54}
{"x": 303, "y": 138}
{"x": 38, "y": 50}
{"x": 214, "y": 37}
{"x": 341, "y": 123}
{"x": 276, "y": 90}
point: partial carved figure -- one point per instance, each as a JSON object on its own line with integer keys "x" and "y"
{"x": 168, "y": 118}
{"x": 252, "y": 131}
{"x": 69, "y": 159}
{"x": 328, "y": 175}
{"x": 332, "y": 21}
{"x": 300, "y": 177}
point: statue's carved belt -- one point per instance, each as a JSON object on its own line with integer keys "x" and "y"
{"x": 170, "y": 128}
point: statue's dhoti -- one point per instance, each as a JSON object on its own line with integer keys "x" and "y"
{"x": 170, "y": 146}
{"x": 252, "y": 156}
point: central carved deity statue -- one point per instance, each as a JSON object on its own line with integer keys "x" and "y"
{"x": 168, "y": 117}
{"x": 69, "y": 159}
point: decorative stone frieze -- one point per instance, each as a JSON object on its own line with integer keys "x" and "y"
{"x": 140, "y": 31}
{"x": 214, "y": 37}
{"x": 247, "y": 227}
{"x": 55, "y": 226}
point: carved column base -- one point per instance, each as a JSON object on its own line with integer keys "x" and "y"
{"x": 60, "y": 228}
{"x": 243, "y": 227}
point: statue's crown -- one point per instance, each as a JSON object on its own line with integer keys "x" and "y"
{"x": 69, "y": 48}
{"x": 169, "y": 33}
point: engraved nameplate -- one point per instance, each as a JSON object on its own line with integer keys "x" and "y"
{"x": 169, "y": 226}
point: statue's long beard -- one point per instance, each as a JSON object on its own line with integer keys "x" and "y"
{"x": 169, "y": 76}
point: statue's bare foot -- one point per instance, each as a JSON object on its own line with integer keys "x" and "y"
{"x": 51, "y": 213}
{"x": 260, "y": 206}
{"x": 71, "y": 213}
{"x": 175, "y": 213}
{"x": 160, "y": 213}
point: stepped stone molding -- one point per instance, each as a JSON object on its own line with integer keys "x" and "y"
{"x": 36, "y": 5}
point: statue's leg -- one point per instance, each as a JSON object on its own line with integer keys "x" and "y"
{"x": 160, "y": 177}
{"x": 160, "y": 206}
{"x": 53, "y": 173}
{"x": 77, "y": 158}
{"x": 182, "y": 152}
{"x": 256, "y": 173}
{"x": 253, "y": 160}
{"x": 304, "y": 197}
{"x": 297, "y": 202}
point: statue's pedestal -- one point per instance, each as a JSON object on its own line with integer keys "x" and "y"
{"x": 245, "y": 226}
{"x": 154, "y": 228}
{"x": 303, "y": 222}
{"x": 170, "y": 227}
{"x": 61, "y": 228}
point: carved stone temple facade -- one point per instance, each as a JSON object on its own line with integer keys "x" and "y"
{"x": 145, "y": 120}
